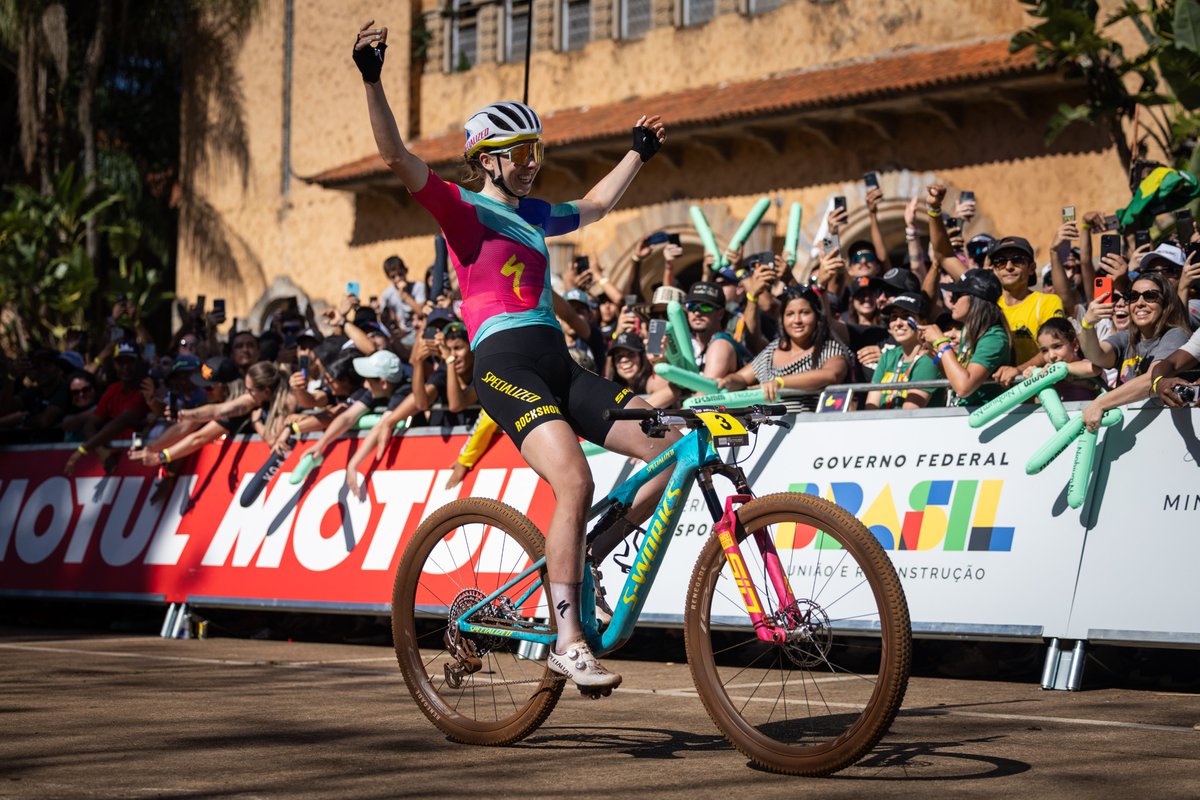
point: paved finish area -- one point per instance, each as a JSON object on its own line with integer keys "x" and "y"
{"x": 109, "y": 716}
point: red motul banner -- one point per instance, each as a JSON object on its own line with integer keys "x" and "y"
{"x": 296, "y": 545}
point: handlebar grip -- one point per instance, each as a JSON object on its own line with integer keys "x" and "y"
{"x": 777, "y": 410}
{"x": 614, "y": 414}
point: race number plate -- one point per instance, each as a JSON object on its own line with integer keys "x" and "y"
{"x": 726, "y": 430}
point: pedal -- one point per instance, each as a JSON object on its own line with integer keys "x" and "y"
{"x": 595, "y": 694}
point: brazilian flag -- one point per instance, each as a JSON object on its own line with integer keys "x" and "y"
{"x": 1161, "y": 191}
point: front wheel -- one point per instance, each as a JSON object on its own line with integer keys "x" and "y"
{"x": 817, "y": 702}
{"x": 478, "y": 689}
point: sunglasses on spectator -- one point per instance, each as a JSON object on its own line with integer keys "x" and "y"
{"x": 1019, "y": 261}
{"x": 701, "y": 308}
{"x": 523, "y": 153}
{"x": 1151, "y": 296}
{"x": 83, "y": 391}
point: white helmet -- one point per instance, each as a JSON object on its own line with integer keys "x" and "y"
{"x": 501, "y": 124}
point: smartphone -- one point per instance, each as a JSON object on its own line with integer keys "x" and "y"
{"x": 673, "y": 238}
{"x": 658, "y": 237}
{"x": 763, "y": 259}
{"x": 200, "y": 300}
{"x": 1103, "y": 286}
{"x": 219, "y": 305}
{"x": 374, "y": 299}
{"x": 839, "y": 202}
{"x": 1068, "y": 214}
{"x": 430, "y": 332}
{"x": 135, "y": 442}
{"x": 966, "y": 196}
{"x": 831, "y": 243}
{"x": 150, "y": 351}
{"x": 304, "y": 366}
{"x": 1110, "y": 244}
{"x": 1184, "y": 226}
{"x": 1111, "y": 223}
{"x": 1140, "y": 238}
{"x": 582, "y": 263}
{"x": 353, "y": 287}
{"x": 173, "y": 406}
{"x": 871, "y": 180}
{"x": 656, "y": 337}
{"x": 955, "y": 223}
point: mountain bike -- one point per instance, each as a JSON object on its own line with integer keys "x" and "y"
{"x": 796, "y": 626}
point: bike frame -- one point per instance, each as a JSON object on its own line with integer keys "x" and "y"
{"x": 691, "y": 456}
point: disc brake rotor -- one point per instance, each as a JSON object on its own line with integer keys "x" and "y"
{"x": 809, "y": 637}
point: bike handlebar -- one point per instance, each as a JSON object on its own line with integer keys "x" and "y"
{"x": 759, "y": 411}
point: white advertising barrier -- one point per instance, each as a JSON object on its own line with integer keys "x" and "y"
{"x": 1138, "y": 579}
{"x": 981, "y": 547}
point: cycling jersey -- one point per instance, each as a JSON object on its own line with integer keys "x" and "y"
{"x": 499, "y": 254}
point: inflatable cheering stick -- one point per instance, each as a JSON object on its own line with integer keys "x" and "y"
{"x": 741, "y": 399}
{"x": 679, "y": 339}
{"x": 684, "y": 378}
{"x": 307, "y": 462}
{"x": 1018, "y": 394}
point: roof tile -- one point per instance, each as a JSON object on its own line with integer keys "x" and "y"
{"x": 856, "y": 81}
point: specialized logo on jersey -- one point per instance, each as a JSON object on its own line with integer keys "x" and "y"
{"x": 514, "y": 268}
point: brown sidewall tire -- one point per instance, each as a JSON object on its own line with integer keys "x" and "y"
{"x": 895, "y": 634}
{"x": 542, "y": 696}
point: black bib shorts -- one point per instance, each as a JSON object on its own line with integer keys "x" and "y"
{"x": 524, "y": 377}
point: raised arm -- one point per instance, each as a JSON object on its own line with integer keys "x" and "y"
{"x": 648, "y": 135}
{"x": 368, "y": 55}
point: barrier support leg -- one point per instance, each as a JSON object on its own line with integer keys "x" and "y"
{"x": 168, "y": 626}
{"x": 1063, "y": 669}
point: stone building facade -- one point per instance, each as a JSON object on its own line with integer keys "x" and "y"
{"x": 789, "y": 99}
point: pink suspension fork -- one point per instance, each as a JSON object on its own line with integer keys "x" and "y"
{"x": 726, "y": 530}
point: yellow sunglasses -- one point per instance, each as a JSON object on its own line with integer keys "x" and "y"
{"x": 523, "y": 153}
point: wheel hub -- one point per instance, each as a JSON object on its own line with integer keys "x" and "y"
{"x": 809, "y": 637}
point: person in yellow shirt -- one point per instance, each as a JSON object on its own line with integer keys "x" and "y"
{"x": 1011, "y": 260}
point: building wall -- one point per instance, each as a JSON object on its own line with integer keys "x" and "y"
{"x": 247, "y": 231}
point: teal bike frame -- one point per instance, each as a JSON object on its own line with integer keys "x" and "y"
{"x": 691, "y": 455}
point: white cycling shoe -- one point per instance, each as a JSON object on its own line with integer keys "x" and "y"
{"x": 580, "y": 665}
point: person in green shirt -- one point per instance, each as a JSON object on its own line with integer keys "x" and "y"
{"x": 986, "y": 340}
{"x": 907, "y": 362}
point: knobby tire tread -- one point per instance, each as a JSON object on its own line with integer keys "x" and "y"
{"x": 408, "y": 652}
{"x": 889, "y": 695}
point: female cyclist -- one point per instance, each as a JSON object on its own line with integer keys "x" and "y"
{"x": 524, "y": 377}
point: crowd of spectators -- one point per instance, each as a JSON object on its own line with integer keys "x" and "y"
{"x": 969, "y": 306}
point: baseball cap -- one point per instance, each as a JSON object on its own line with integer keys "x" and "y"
{"x": 628, "y": 340}
{"x": 217, "y": 369}
{"x": 1166, "y": 257}
{"x": 702, "y": 292}
{"x": 578, "y": 296}
{"x": 1021, "y": 245}
{"x": 979, "y": 245}
{"x": 978, "y": 283}
{"x": 381, "y": 364}
{"x": 911, "y": 302}
{"x": 440, "y": 316}
{"x": 125, "y": 350}
{"x": 311, "y": 334}
{"x": 864, "y": 283}
{"x": 370, "y": 328}
{"x": 724, "y": 276}
{"x": 861, "y": 247}
{"x": 185, "y": 363}
{"x": 666, "y": 294}
{"x": 71, "y": 359}
{"x": 902, "y": 280}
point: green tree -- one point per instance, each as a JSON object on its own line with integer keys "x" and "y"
{"x": 1162, "y": 80}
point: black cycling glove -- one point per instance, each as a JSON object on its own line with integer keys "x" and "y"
{"x": 370, "y": 61}
{"x": 645, "y": 143}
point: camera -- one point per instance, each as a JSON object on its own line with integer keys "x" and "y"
{"x": 1187, "y": 394}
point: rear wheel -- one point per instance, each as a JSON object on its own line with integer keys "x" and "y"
{"x": 477, "y": 689}
{"x": 818, "y": 702}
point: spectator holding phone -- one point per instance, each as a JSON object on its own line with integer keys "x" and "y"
{"x": 805, "y": 356}
{"x": 985, "y": 345}
{"x": 1011, "y": 261}
{"x": 908, "y": 361}
{"x": 121, "y": 411}
{"x": 402, "y": 298}
{"x": 1158, "y": 327}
